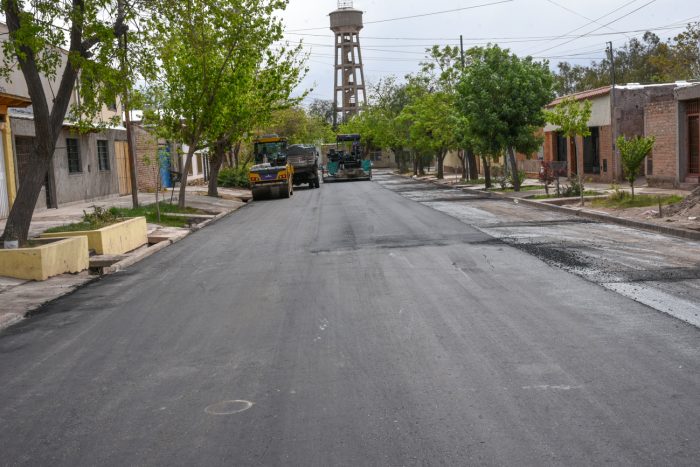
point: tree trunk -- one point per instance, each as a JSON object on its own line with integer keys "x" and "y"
{"x": 214, "y": 166}
{"x": 487, "y": 171}
{"x": 415, "y": 164}
{"x": 465, "y": 165}
{"x": 440, "y": 164}
{"x": 513, "y": 169}
{"x": 471, "y": 159}
{"x": 20, "y": 218}
{"x": 237, "y": 151}
{"x": 185, "y": 171}
{"x": 579, "y": 173}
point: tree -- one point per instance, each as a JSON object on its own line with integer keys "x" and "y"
{"x": 645, "y": 60}
{"x": 434, "y": 125}
{"x": 502, "y": 97}
{"x": 572, "y": 118}
{"x": 68, "y": 42}
{"x": 632, "y": 153}
{"x": 207, "y": 49}
{"x": 322, "y": 109}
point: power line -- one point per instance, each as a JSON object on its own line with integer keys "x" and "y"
{"x": 578, "y": 14}
{"x": 503, "y": 39}
{"x": 432, "y": 13}
{"x": 598, "y": 28}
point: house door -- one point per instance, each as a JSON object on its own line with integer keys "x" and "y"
{"x": 694, "y": 145}
{"x": 4, "y": 199}
{"x": 121, "y": 152}
{"x": 574, "y": 162}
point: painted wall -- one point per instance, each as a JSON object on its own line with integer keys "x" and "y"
{"x": 89, "y": 184}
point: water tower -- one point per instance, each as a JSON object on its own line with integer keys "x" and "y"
{"x": 349, "y": 80}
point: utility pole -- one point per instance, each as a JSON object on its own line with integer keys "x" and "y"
{"x": 129, "y": 139}
{"x": 612, "y": 109}
{"x": 461, "y": 50}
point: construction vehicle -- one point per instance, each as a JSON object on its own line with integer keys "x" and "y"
{"x": 347, "y": 161}
{"x": 272, "y": 174}
{"x": 304, "y": 159}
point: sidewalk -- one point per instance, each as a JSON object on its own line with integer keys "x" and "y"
{"x": 642, "y": 218}
{"x": 73, "y": 212}
{"x": 18, "y": 297}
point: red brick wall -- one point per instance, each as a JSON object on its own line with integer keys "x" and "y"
{"x": 661, "y": 122}
{"x": 146, "y": 146}
{"x": 549, "y": 142}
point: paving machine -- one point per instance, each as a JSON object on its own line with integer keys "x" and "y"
{"x": 346, "y": 161}
{"x": 272, "y": 174}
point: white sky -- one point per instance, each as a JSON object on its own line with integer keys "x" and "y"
{"x": 517, "y": 19}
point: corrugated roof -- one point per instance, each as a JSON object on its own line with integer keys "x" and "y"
{"x": 582, "y": 95}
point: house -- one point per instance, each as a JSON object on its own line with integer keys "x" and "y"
{"x": 674, "y": 120}
{"x": 8, "y": 182}
{"x": 661, "y": 110}
{"x": 84, "y": 166}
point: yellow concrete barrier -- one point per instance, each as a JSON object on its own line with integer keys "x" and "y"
{"x": 115, "y": 239}
{"x": 43, "y": 261}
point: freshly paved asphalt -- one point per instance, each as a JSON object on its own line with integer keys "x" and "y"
{"x": 365, "y": 329}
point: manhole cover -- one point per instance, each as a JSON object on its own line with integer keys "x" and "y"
{"x": 228, "y": 407}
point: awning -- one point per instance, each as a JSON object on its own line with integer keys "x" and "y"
{"x": 10, "y": 100}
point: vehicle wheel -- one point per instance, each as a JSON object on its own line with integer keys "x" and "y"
{"x": 311, "y": 184}
{"x": 317, "y": 182}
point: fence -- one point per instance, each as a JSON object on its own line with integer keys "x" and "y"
{"x": 532, "y": 167}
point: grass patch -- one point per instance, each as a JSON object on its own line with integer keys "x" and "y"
{"x": 624, "y": 200}
{"x": 554, "y": 195}
{"x": 522, "y": 188}
{"x": 103, "y": 217}
{"x": 479, "y": 181}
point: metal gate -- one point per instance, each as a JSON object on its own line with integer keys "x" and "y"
{"x": 4, "y": 199}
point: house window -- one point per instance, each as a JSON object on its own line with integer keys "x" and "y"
{"x": 591, "y": 152}
{"x": 102, "y": 154}
{"x": 73, "y": 149}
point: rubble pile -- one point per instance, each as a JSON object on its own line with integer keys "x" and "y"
{"x": 689, "y": 207}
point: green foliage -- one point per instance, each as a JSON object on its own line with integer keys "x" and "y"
{"x": 649, "y": 60}
{"x": 520, "y": 175}
{"x": 300, "y": 127}
{"x": 234, "y": 177}
{"x": 500, "y": 98}
{"x": 571, "y": 116}
{"x": 222, "y": 73}
{"x": 572, "y": 189}
{"x": 624, "y": 200}
{"x": 632, "y": 154}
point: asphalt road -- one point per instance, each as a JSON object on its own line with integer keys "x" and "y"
{"x": 362, "y": 328}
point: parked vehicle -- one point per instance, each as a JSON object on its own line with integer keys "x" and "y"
{"x": 272, "y": 174}
{"x": 304, "y": 159}
{"x": 347, "y": 161}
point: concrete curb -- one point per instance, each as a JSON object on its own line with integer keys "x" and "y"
{"x": 597, "y": 216}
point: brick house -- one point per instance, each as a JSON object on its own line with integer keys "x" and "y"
{"x": 632, "y": 109}
{"x": 149, "y": 148}
{"x": 674, "y": 120}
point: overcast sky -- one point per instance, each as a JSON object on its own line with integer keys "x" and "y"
{"x": 527, "y": 27}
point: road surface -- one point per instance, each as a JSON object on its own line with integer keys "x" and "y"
{"x": 348, "y": 326}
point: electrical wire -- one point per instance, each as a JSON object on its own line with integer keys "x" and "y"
{"x": 598, "y": 28}
{"x": 432, "y": 13}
